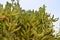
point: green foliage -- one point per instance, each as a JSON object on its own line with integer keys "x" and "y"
{"x": 18, "y": 24}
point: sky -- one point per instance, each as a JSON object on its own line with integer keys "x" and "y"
{"x": 53, "y": 7}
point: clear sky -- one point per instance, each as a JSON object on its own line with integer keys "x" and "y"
{"x": 53, "y": 7}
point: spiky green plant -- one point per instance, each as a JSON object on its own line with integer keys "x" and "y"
{"x": 18, "y": 24}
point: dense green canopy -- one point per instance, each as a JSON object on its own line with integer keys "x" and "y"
{"x": 18, "y": 24}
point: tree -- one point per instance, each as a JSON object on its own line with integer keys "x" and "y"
{"x": 18, "y": 24}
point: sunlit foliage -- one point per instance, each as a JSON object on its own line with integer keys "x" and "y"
{"x": 18, "y": 24}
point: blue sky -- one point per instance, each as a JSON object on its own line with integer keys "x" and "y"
{"x": 53, "y": 7}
